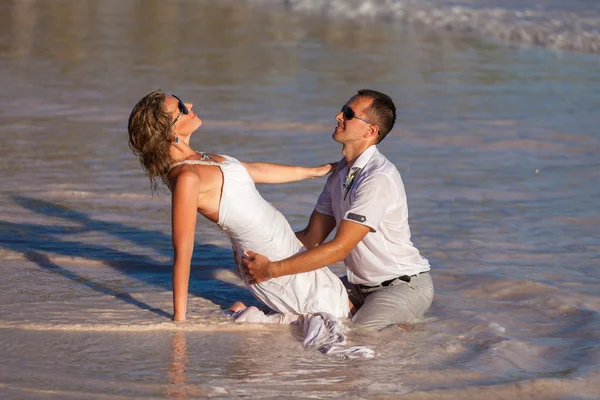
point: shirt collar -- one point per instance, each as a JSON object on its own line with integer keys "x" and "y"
{"x": 364, "y": 158}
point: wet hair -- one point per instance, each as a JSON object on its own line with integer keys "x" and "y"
{"x": 150, "y": 136}
{"x": 382, "y": 111}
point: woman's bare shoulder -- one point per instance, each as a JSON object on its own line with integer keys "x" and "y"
{"x": 201, "y": 177}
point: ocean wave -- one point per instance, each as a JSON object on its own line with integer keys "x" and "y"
{"x": 574, "y": 29}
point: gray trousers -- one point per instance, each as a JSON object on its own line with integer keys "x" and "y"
{"x": 400, "y": 302}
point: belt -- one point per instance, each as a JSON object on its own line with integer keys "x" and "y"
{"x": 405, "y": 278}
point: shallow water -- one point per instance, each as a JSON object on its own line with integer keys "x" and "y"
{"x": 497, "y": 145}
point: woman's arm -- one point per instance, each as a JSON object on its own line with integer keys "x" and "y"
{"x": 261, "y": 172}
{"x": 183, "y": 220}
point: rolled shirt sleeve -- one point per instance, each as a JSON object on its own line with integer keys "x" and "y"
{"x": 371, "y": 201}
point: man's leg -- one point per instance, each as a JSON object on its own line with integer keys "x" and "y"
{"x": 399, "y": 303}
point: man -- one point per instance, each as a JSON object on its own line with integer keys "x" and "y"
{"x": 388, "y": 280}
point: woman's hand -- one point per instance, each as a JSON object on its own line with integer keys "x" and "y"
{"x": 322, "y": 170}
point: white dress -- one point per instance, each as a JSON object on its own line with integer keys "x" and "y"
{"x": 252, "y": 223}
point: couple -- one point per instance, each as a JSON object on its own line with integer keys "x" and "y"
{"x": 388, "y": 281}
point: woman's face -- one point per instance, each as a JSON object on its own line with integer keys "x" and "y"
{"x": 182, "y": 124}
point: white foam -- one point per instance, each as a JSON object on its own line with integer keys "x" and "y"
{"x": 573, "y": 30}
{"x": 167, "y": 326}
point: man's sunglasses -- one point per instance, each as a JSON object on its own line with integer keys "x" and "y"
{"x": 183, "y": 110}
{"x": 349, "y": 114}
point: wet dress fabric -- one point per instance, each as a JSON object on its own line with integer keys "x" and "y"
{"x": 315, "y": 300}
{"x": 252, "y": 223}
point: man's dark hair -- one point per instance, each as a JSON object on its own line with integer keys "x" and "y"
{"x": 382, "y": 111}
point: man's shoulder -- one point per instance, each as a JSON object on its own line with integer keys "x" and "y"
{"x": 339, "y": 168}
{"x": 335, "y": 175}
{"x": 381, "y": 172}
{"x": 379, "y": 164}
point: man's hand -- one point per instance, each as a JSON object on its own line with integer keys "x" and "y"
{"x": 257, "y": 267}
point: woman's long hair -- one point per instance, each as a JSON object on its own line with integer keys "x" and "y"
{"x": 150, "y": 136}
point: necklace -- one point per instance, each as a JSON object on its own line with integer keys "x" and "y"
{"x": 204, "y": 156}
{"x": 205, "y": 159}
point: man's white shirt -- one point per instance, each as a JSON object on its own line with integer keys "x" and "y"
{"x": 372, "y": 194}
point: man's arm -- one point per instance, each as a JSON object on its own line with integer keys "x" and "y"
{"x": 318, "y": 228}
{"x": 259, "y": 268}
{"x": 261, "y": 172}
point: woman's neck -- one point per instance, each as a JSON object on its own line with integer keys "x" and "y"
{"x": 180, "y": 151}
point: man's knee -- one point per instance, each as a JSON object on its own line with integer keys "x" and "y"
{"x": 377, "y": 321}
{"x": 369, "y": 324}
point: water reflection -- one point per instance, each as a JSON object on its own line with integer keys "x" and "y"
{"x": 177, "y": 387}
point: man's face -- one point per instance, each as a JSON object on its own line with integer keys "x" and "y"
{"x": 352, "y": 130}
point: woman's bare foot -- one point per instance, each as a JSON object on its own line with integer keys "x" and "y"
{"x": 237, "y": 306}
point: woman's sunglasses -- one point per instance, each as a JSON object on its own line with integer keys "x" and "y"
{"x": 349, "y": 114}
{"x": 183, "y": 110}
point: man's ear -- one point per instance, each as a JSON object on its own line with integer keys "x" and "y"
{"x": 372, "y": 132}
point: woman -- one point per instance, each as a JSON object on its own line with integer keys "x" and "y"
{"x": 222, "y": 189}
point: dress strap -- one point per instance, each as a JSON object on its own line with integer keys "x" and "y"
{"x": 204, "y": 160}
